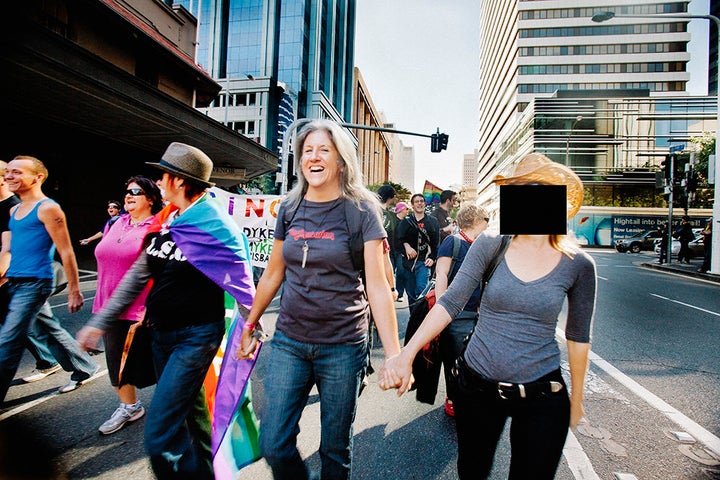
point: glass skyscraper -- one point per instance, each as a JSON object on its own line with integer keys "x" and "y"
{"x": 307, "y": 45}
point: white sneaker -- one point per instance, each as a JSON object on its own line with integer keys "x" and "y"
{"x": 40, "y": 373}
{"x": 122, "y": 415}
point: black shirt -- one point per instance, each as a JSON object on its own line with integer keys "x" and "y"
{"x": 181, "y": 296}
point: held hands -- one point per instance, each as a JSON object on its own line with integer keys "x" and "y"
{"x": 396, "y": 372}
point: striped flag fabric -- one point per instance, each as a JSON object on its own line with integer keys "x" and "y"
{"x": 214, "y": 244}
{"x": 431, "y": 192}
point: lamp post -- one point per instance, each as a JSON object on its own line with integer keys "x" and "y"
{"x": 715, "y": 264}
{"x": 567, "y": 141}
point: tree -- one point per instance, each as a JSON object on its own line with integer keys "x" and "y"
{"x": 402, "y": 193}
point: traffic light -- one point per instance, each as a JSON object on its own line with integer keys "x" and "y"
{"x": 667, "y": 166}
{"x": 435, "y": 142}
{"x": 442, "y": 141}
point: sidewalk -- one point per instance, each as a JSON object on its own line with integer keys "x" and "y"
{"x": 690, "y": 270}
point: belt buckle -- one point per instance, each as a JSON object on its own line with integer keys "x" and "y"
{"x": 500, "y": 388}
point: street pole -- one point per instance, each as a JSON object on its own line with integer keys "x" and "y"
{"x": 715, "y": 251}
{"x": 671, "y": 199}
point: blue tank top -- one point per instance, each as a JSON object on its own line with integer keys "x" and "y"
{"x": 31, "y": 248}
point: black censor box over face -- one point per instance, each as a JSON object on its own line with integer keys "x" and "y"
{"x": 533, "y": 209}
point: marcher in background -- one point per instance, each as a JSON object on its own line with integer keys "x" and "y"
{"x": 401, "y": 274}
{"x": 320, "y": 337}
{"x": 419, "y": 235}
{"x": 685, "y": 235}
{"x": 511, "y": 366}
{"x": 37, "y": 227}
{"x": 118, "y": 249}
{"x": 441, "y": 213}
{"x": 472, "y": 221}
{"x": 707, "y": 247}
{"x": 387, "y": 199}
{"x": 663, "y": 243}
{"x": 113, "y": 209}
{"x": 193, "y": 251}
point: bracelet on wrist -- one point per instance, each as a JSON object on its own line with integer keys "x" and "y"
{"x": 392, "y": 289}
{"x": 250, "y": 326}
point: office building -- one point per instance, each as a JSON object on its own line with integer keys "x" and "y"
{"x": 290, "y": 59}
{"x": 531, "y": 49}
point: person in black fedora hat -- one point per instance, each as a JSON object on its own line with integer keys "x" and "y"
{"x": 193, "y": 253}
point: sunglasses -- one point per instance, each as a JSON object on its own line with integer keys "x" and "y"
{"x": 134, "y": 192}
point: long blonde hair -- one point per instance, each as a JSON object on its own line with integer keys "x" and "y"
{"x": 352, "y": 185}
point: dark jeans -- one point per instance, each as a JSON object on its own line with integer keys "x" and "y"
{"x": 537, "y": 433}
{"x": 684, "y": 252}
{"x": 177, "y": 428}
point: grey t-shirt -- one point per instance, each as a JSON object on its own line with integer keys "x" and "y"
{"x": 514, "y": 339}
{"x": 323, "y": 302}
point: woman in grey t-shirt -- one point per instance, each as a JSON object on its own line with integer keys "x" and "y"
{"x": 511, "y": 366}
{"x": 322, "y": 327}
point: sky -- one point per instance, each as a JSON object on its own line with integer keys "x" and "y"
{"x": 420, "y": 62}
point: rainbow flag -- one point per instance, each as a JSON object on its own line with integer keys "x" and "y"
{"x": 214, "y": 244}
{"x": 431, "y": 192}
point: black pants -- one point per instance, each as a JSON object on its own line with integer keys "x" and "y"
{"x": 537, "y": 433}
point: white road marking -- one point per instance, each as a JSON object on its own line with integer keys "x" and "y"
{"x": 686, "y": 304}
{"x": 702, "y": 435}
{"x": 578, "y": 462}
{"x": 63, "y": 304}
{"x": 36, "y": 402}
{"x": 602, "y": 278}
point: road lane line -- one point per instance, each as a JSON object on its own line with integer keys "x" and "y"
{"x": 63, "y": 304}
{"x": 701, "y": 435}
{"x": 36, "y": 402}
{"x": 578, "y": 462}
{"x": 601, "y": 278}
{"x": 686, "y": 304}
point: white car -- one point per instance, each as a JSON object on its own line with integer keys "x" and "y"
{"x": 697, "y": 249}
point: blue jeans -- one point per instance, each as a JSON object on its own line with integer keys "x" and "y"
{"x": 26, "y": 299}
{"x": 178, "y": 428}
{"x": 293, "y": 368}
{"x": 46, "y": 330}
{"x": 401, "y": 275}
{"x": 43, "y": 357}
{"x": 417, "y": 281}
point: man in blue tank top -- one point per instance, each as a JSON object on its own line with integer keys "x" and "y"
{"x": 37, "y": 226}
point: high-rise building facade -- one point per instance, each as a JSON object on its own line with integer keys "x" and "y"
{"x": 532, "y": 49}
{"x": 295, "y": 50}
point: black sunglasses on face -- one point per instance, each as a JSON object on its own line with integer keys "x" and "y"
{"x": 134, "y": 192}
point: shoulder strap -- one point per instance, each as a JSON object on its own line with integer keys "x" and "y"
{"x": 497, "y": 258}
{"x": 456, "y": 250}
{"x": 353, "y": 222}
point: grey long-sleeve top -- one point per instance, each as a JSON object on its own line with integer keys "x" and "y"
{"x": 514, "y": 339}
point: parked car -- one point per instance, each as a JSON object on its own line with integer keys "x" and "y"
{"x": 640, "y": 241}
{"x": 697, "y": 247}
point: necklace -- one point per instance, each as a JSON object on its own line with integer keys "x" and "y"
{"x": 465, "y": 237}
{"x": 306, "y": 246}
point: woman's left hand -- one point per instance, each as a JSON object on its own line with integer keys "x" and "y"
{"x": 248, "y": 346}
{"x": 577, "y": 413}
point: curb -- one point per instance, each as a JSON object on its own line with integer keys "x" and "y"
{"x": 688, "y": 272}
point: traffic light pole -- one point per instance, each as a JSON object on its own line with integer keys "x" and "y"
{"x": 284, "y": 162}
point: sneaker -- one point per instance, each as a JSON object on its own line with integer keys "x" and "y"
{"x": 122, "y": 415}
{"x": 449, "y": 408}
{"x": 40, "y": 373}
{"x": 75, "y": 384}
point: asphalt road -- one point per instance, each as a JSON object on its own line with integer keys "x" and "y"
{"x": 655, "y": 370}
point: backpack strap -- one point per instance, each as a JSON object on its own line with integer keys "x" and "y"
{"x": 353, "y": 222}
{"x": 453, "y": 263}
